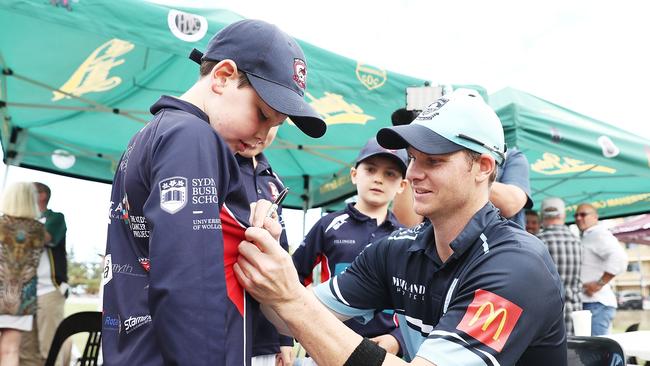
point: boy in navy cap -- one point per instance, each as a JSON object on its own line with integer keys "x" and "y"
{"x": 469, "y": 287}
{"x": 338, "y": 238}
{"x": 178, "y": 209}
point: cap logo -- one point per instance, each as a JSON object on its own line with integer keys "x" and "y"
{"x": 300, "y": 72}
{"x": 432, "y": 110}
{"x": 186, "y": 26}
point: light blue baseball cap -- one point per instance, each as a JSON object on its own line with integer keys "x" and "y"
{"x": 460, "y": 120}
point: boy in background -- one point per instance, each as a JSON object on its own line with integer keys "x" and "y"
{"x": 338, "y": 238}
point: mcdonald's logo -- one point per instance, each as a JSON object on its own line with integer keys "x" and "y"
{"x": 490, "y": 319}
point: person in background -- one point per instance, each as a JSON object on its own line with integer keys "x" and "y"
{"x": 52, "y": 287}
{"x": 338, "y": 238}
{"x": 532, "y": 222}
{"x": 566, "y": 251}
{"x": 22, "y": 239}
{"x": 603, "y": 258}
{"x": 269, "y": 347}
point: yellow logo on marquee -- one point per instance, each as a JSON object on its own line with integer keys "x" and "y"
{"x": 334, "y": 109}
{"x": 370, "y": 76}
{"x": 551, "y": 164}
{"x": 493, "y": 315}
{"x": 93, "y": 74}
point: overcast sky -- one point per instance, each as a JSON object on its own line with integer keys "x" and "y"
{"x": 589, "y": 56}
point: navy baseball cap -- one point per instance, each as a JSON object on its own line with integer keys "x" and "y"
{"x": 372, "y": 148}
{"x": 274, "y": 64}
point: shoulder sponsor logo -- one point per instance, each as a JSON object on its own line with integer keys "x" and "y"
{"x": 337, "y": 222}
{"x": 490, "y": 319}
{"x": 145, "y": 263}
{"x": 173, "y": 194}
{"x": 345, "y": 241}
{"x": 186, "y": 26}
{"x": 107, "y": 273}
{"x": 135, "y": 322}
{"x": 204, "y": 191}
{"x": 111, "y": 322}
{"x": 412, "y": 291}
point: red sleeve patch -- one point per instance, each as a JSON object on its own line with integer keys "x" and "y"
{"x": 490, "y": 319}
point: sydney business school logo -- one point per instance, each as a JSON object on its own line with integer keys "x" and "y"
{"x": 490, "y": 319}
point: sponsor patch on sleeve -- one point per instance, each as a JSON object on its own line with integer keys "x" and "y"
{"x": 173, "y": 194}
{"x": 490, "y": 319}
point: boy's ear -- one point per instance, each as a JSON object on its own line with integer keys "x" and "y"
{"x": 223, "y": 73}
{"x": 353, "y": 175}
{"x": 402, "y": 186}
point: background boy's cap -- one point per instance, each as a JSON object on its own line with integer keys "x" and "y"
{"x": 453, "y": 122}
{"x": 372, "y": 148}
{"x": 552, "y": 207}
{"x": 275, "y": 65}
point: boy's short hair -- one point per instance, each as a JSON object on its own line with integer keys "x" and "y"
{"x": 372, "y": 148}
{"x": 275, "y": 66}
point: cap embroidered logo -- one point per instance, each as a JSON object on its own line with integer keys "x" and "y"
{"x": 300, "y": 72}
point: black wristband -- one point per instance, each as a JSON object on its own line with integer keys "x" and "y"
{"x": 367, "y": 353}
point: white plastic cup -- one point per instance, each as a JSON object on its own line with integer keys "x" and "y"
{"x": 581, "y": 322}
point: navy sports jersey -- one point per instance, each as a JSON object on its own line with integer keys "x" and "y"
{"x": 262, "y": 183}
{"x": 334, "y": 242}
{"x": 178, "y": 213}
{"x": 497, "y": 300}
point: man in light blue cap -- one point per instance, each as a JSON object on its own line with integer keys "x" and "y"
{"x": 469, "y": 287}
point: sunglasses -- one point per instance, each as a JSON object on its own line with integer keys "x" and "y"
{"x": 581, "y": 214}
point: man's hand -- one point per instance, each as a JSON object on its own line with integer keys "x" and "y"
{"x": 387, "y": 342}
{"x": 265, "y": 269}
{"x": 285, "y": 357}
{"x": 590, "y": 288}
{"x": 258, "y": 218}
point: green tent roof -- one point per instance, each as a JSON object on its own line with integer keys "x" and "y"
{"x": 575, "y": 157}
{"x": 77, "y": 83}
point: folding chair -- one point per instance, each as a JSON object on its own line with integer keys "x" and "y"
{"x": 594, "y": 351}
{"x": 85, "y": 321}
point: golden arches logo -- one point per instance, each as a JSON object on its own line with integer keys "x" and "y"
{"x": 490, "y": 318}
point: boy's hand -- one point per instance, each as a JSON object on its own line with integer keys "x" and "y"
{"x": 258, "y": 218}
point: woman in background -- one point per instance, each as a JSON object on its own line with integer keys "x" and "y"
{"x": 21, "y": 241}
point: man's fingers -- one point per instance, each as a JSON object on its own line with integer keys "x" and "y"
{"x": 263, "y": 239}
{"x": 259, "y": 212}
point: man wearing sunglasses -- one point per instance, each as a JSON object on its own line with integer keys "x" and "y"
{"x": 603, "y": 258}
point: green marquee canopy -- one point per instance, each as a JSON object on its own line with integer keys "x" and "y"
{"x": 575, "y": 157}
{"x": 78, "y": 79}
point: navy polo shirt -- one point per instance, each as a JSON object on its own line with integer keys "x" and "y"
{"x": 515, "y": 171}
{"x": 496, "y": 301}
{"x": 262, "y": 183}
{"x": 334, "y": 242}
{"x": 178, "y": 213}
